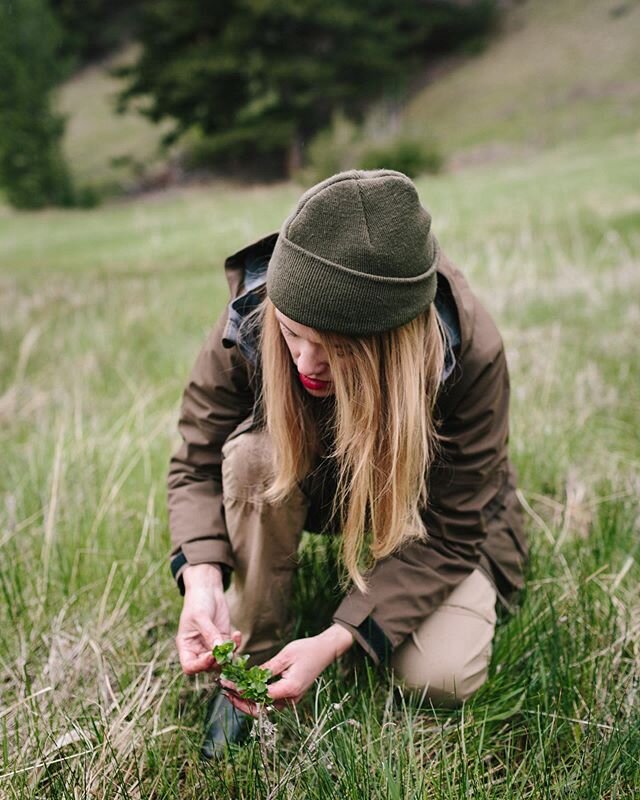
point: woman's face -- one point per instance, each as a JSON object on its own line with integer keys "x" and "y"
{"x": 309, "y": 356}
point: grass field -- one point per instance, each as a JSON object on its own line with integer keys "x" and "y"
{"x": 101, "y": 315}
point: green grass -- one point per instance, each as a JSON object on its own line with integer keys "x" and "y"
{"x": 101, "y": 315}
{"x": 554, "y": 72}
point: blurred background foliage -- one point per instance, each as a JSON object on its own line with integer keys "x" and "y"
{"x": 237, "y": 89}
{"x": 32, "y": 167}
{"x": 93, "y": 29}
{"x": 106, "y": 97}
{"x": 256, "y": 78}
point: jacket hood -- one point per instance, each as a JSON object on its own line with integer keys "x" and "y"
{"x": 235, "y": 266}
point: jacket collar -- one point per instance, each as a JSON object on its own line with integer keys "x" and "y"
{"x": 463, "y": 298}
{"x": 234, "y": 264}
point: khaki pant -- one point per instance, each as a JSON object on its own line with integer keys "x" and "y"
{"x": 447, "y": 656}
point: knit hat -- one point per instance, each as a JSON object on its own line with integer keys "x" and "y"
{"x": 356, "y": 256}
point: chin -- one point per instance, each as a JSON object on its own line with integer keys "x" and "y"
{"x": 320, "y": 392}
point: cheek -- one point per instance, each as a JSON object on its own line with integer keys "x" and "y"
{"x": 290, "y": 347}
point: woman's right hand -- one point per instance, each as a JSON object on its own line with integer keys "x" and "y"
{"x": 204, "y": 621}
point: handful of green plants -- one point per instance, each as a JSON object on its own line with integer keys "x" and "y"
{"x": 251, "y": 682}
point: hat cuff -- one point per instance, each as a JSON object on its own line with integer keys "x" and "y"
{"x": 366, "y": 304}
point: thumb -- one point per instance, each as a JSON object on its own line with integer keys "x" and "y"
{"x": 278, "y": 663}
{"x": 286, "y": 688}
{"x": 210, "y": 633}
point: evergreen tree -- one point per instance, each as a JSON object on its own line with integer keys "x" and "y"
{"x": 33, "y": 172}
{"x": 94, "y": 28}
{"x": 257, "y": 77}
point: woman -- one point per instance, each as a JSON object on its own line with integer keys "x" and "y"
{"x": 354, "y": 384}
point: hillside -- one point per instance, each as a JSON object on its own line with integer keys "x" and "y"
{"x": 102, "y": 146}
{"x": 556, "y": 71}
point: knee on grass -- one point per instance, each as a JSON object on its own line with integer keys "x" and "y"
{"x": 444, "y": 679}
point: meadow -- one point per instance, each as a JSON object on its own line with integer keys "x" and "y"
{"x": 101, "y": 315}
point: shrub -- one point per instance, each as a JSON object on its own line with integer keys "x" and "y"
{"x": 409, "y": 155}
{"x": 332, "y": 150}
{"x": 374, "y": 145}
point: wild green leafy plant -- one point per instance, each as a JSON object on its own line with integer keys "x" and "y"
{"x": 251, "y": 682}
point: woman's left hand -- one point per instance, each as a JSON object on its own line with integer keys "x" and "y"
{"x": 298, "y": 664}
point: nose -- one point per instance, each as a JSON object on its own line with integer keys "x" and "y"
{"x": 312, "y": 360}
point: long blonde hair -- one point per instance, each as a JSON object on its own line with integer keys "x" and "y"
{"x": 384, "y": 435}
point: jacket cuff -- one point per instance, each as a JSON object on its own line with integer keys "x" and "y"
{"x": 371, "y": 638}
{"x": 209, "y": 551}
{"x": 354, "y": 614}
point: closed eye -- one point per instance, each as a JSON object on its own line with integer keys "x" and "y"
{"x": 287, "y": 332}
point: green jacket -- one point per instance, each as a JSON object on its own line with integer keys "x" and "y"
{"x": 473, "y": 517}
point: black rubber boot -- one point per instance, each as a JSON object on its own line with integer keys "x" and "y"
{"x": 224, "y": 725}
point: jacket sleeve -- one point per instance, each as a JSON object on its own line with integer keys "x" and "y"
{"x": 217, "y": 398}
{"x": 410, "y": 584}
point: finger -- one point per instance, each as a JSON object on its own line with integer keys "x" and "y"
{"x": 237, "y": 638}
{"x": 232, "y": 690}
{"x": 288, "y": 703}
{"x": 233, "y": 693}
{"x": 277, "y": 664}
{"x": 242, "y": 705}
{"x": 191, "y": 664}
{"x": 230, "y": 685}
{"x": 285, "y": 689}
{"x": 211, "y": 634}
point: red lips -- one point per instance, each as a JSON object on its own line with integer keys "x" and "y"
{"x": 312, "y": 383}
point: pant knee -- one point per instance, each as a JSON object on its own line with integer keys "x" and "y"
{"x": 247, "y": 466}
{"x": 444, "y": 680}
{"x": 448, "y": 655}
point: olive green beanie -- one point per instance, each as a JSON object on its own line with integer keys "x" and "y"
{"x": 356, "y": 256}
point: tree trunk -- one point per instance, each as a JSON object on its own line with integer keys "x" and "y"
{"x": 294, "y": 155}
